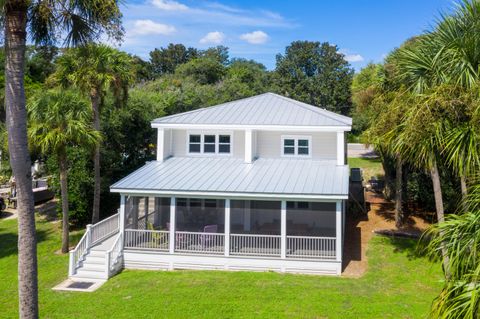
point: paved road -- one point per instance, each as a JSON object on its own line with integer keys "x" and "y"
{"x": 360, "y": 150}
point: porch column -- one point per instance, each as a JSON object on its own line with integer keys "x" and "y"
{"x": 227, "y": 227}
{"x": 121, "y": 225}
{"x": 338, "y": 228}
{"x": 171, "y": 242}
{"x": 145, "y": 205}
{"x": 283, "y": 230}
{"x": 341, "y": 148}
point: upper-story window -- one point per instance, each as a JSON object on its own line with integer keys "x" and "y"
{"x": 205, "y": 143}
{"x": 296, "y": 146}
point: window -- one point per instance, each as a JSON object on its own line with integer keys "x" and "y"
{"x": 298, "y": 205}
{"x": 209, "y": 144}
{"x": 296, "y": 146}
{"x": 194, "y": 144}
{"x": 224, "y": 144}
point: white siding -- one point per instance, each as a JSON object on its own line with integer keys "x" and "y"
{"x": 179, "y": 143}
{"x": 324, "y": 144}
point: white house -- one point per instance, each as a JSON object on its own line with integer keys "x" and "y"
{"x": 255, "y": 184}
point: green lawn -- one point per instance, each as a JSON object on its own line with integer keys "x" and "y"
{"x": 370, "y": 166}
{"x": 396, "y": 285}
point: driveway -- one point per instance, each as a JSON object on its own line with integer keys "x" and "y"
{"x": 360, "y": 150}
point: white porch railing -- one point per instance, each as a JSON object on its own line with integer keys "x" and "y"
{"x": 94, "y": 234}
{"x": 146, "y": 239}
{"x": 311, "y": 247}
{"x": 113, "y": 256}
{"x": 255, "y": 245}
{"x": 199, "y": 242}
{"x": 77, "y": 254}
{"x": 105, "y": 228}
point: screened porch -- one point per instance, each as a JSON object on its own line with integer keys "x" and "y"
{"x": 233, "y": 227}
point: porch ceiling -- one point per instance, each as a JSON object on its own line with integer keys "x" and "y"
{"x": 283, "y": 176}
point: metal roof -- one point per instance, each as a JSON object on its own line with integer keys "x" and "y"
{"x": 283, "y": 176}
{"x": 263, "y": 109}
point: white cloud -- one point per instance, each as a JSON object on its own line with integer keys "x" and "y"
{"x": 144, "y": 27}
{"x": 215, "y": 37}
{"x": 354, "y": 58}
{"x": 255, "y": 37}
{"x": 169, "y": 5}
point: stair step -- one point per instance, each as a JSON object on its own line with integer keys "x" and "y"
{"x": 92, "y": 266}
{"x": 90, "y": 274}
{"x": 94, "y": 260}
{"x": 96, "y": 253}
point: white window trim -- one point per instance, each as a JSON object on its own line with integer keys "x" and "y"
{"x": 202, "y": 140}
{"x": 295, "y": 145}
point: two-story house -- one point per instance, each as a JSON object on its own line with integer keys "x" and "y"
{"x": 255, "y": 184}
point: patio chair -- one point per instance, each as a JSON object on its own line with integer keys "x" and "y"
{"x": 181, "y": 240}
{"x": 208, "y": 239}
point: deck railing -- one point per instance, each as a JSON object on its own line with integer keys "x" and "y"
{"x": 105, "y": 228}
{"x": 311, "y": 247}
{"x": 77, "y": 254}
{"x": 146, "y": 239}
{"x": 255, "y": 245}
{"x": 113, "y": 256}
{"x": 298, "y": 247}
{"x": 199, "y": 242}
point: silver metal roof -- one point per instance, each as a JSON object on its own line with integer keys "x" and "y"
{"x": 282, "y": 176}
{"x": 263, "y": 109}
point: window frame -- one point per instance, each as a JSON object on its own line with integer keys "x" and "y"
{"x": 217, "y": 135}
{"x": 296, "y": 138}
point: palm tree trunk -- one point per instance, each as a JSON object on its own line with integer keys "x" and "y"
{"x": 463, "y": 186}
{"x": 95, "y": 100}
{"x": 437, "y": 192}
{"x": 62, "y": 160}
{"x": 398, "y": 192}
{"x": 15, "y": 37}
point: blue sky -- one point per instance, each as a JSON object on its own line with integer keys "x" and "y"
{"x": 364, "y": 30}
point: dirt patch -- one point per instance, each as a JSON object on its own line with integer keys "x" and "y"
{"x": 360, "y": 229}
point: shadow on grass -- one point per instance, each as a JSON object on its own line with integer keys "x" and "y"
{"x": 4, "y": 214}
{"x": 412, "y": 248}
{"x": 9, "y": 241}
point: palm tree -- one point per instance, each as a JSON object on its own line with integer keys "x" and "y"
{"x": 94, "y": 69}
{"x": 58, "y": 120}
{"x": 79, "y": 22}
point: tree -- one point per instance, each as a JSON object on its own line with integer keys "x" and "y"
{"x": 59, "y": 120}
{"x": 79, "y": 22}
{"x": 166, "y": 60}
{"x": 203, "y": 70}
{"x": 95, "y": 69}
{"x": 315, "y": 73}
{"x": 218, "y": 53}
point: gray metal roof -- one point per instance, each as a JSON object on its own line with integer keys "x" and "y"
{"x": 281, "y": 176}
{"x": 263, "y": 109}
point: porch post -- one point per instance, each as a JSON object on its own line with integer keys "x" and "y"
{"x": 145, "y": 205}
{"x": 283, "y": 229}
{"x": 227, "y": 227}
{"x": 122, "y": 220}
{"x": 171, "y": 242}
{"x": 338, "y": 228}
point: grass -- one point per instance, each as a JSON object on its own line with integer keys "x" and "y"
{"x": 397, "y": 285}
{"x": 370, "y": 166}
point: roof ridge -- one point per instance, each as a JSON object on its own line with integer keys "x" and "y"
{"x": 317, "y": 109}
{"x": 209, "y": 107}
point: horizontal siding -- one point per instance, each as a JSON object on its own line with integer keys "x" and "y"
{"x": 324, "y": 144}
